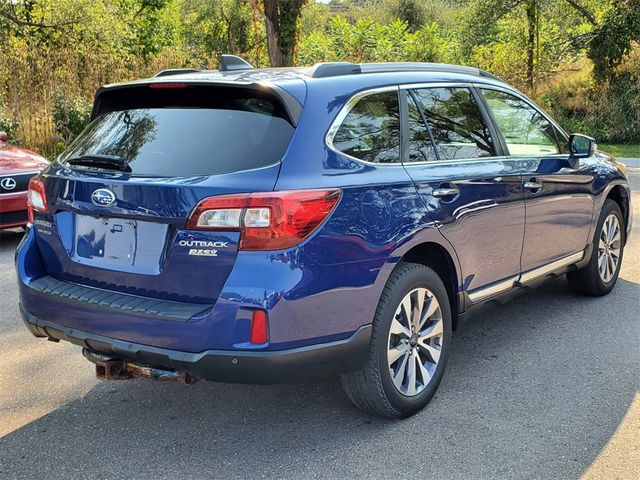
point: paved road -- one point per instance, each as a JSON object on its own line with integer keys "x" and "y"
{"x": 545, "y": 387}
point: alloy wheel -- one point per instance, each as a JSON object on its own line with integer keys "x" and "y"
{"x": 609, "y": 248}
{"x": 415, "y": 342}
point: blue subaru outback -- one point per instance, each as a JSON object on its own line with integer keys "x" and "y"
{"x": 271, "y": 225}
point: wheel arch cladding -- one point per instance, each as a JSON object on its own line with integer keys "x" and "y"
{"x": 438, "y": 259}
{"x": 620, "y": 195}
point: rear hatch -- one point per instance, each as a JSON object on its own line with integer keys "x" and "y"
{"x": 120, "y": 197}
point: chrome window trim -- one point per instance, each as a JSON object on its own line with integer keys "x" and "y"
{"x": 348, "y": 106}
{"x": 420, "y": 86}
{"x": 342, "y": 114}
{"x": 529, "y": 102}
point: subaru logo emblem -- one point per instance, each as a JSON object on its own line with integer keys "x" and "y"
{"x": 103, "y": 197}
{"x": 8, "y": 183}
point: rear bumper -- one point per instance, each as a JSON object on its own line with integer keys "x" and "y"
{"x": 13, "y": 209}
{"x": 260, "y": 367}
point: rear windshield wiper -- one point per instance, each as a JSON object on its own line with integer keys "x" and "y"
{"x": 110, "y": 162}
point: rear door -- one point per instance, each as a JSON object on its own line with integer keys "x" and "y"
{"x": 124, "y": 229}
{"x": 474, "y": 193}
{"x": 558, "y": 199}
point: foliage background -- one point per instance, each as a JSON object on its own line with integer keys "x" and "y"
{"x": 580, "y": 59}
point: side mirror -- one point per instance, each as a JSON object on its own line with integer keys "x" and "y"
{"x": 581, "y": 146}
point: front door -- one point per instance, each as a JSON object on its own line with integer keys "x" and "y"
{"x": 558, "y": 202}
{"x": 475, "y": 195}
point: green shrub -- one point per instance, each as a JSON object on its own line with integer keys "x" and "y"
{"x": 608, "y": 111}
{"x": 365, "y": 40}
{"x": 8, "y": 124}
{"x": 71, "y": 116}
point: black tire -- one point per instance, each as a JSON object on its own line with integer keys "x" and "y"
{"x": 588, "y": 281}
{"x": 372, "y": 389}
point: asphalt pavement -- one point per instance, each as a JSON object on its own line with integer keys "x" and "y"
{"x": 545, "y": 387}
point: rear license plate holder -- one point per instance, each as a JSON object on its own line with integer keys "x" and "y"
{"x": 105, "y": 241}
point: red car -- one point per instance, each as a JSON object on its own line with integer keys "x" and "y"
{"x": 17, "y": 166}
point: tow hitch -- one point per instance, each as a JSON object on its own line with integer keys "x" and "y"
{"x": 111, "y": 368}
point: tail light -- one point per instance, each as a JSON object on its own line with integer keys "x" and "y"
{"x": 267, "y": 221}
{"x": 36, "y": 198}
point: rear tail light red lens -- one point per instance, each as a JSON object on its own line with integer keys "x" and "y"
{"x": 36, "y": 198}
{"x": 267, "y": 221}
{"x": 259, "y": 327}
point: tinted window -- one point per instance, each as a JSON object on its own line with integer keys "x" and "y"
{"x": 525, "y": 130}
{"x": 227, "y": 133}
{"x": 371, "y": 130}
{"x": 421, "y": 148}
{"x": 457, "y": 126}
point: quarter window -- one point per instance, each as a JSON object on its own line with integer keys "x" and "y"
{"x": 526, "y": 131}
{"x": 457, "y": 126}
{"x": 371, "y": 129}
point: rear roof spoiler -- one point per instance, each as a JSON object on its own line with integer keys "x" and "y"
{"x": 290, "y": 103}
{"x": 174, "y": 71}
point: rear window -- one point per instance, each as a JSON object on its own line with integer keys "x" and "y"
{"x": 187, "y": 131}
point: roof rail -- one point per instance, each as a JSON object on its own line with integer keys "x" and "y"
{"x": 174, "y": 71}
{"x": 230, "y": 63}
{"x": 322, "y": 70}
{"x": 334, "y": 69}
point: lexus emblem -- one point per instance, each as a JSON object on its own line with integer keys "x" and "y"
{"x": 103, "y": 197}
{"x": 8, "y": 183}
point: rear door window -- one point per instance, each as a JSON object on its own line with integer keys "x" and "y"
{"x": 371, "y": 129}
{"x": 188, "y": 132}
{"x": 421, "y": 148}
{"x": 456, "y": 123}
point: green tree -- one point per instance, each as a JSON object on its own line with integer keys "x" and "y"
{"x": 549, "y": 28}
{"x": 411, "y": 12}
{"x": 613, "y": 39}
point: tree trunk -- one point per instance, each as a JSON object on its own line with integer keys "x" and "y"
{"x": 281, "y": 23}
{"x": 272, "y": 25}
{"x": 532, "y": 26}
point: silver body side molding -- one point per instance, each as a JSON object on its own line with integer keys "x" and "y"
{"x": 504, "y": 285}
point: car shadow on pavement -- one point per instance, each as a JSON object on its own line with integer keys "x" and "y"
{"x": 534, "y": 389}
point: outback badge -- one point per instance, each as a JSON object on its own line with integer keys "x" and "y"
{"x": 206, "y": 249}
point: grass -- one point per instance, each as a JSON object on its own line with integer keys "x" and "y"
{"x": 630, "y": 150}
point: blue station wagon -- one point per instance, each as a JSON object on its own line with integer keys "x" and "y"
{"x": 274, "y": 225}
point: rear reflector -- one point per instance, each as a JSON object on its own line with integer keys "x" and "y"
{"x": 36, "y": 198}
{"x": 267, "y": 221}
{"x": 259, "y": 327}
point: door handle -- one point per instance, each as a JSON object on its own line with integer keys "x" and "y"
{"x": 533, "y": 185}
{"x": 445, "y": 192}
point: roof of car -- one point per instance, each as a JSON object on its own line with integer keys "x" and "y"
{"x": 289, "y": 83}
{"x": 332, "y": 70}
